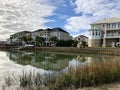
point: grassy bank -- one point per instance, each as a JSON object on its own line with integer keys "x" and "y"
{"x": 81, "y": 76}
{"x": 90, "y": 75}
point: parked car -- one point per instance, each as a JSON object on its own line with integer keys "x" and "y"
{"x": 29, "y": 45}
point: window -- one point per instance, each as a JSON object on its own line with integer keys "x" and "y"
{"x": 108, "y": 25}
{"x": 114, "y": 25}
{"x": 119, "y": 25}
{"x": 93, "y": 33}
{"x": 96, "y": 33}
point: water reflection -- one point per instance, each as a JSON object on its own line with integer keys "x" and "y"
{"x": 43, "y": 62}
{"x": 47, "y": 61}
{"x": 54, "y": 61}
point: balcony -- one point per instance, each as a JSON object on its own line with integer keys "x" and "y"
{"x": 111, "y": 28}
{"x": 111, "y": 36}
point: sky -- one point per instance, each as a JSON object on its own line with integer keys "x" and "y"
{"x": 74, "y": 16}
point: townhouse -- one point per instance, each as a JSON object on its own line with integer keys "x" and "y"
{"x": 45, "y": 33}
{"x": 105, "y": 33}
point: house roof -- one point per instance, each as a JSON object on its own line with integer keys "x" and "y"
{"x": 21, "y": 32}
{"x": 38, "y": 30}
{"x": 108, "y": 20}
{"x": 81, "y": 36}
{"x": 53, "y": 29}
{"x": 59, "y": 29}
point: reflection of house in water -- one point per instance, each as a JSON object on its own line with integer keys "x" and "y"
{"x": 47, "y": 61}
{"x": 82, "y": 58}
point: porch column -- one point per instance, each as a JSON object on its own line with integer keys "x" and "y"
{"x": 104, "y": 38}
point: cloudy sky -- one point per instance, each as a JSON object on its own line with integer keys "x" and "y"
{"x": 73, "y": 16}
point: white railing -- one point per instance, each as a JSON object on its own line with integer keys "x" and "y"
{"x": 113, "y": 28}
{"x": 112, "y": 36}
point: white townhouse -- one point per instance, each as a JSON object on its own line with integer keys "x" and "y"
{"x": 15, "y": 38}
{"x": 105, "y": 33}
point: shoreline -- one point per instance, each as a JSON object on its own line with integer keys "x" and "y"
{"x": 87, "y": 50}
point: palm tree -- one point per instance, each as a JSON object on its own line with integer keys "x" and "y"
{"x": 29, "y": 39}
{"x": 40, "y": 40}
{"x": 24, "y": 38}
{"x": 53, "y": 39}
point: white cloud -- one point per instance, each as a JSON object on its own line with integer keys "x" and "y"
{"x": 19, "y": 15}
{"x": 90, "y": 11}
{"x": 75, "y": 24}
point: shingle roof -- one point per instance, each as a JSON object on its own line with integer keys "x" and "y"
{"x": 59, "y": 29}
{"x": 53, "y": 29}
{"x": 108, "y": 20}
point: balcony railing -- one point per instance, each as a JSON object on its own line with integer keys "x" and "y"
{"x": 112, "y": 36}
{"x": 111, "y": 28}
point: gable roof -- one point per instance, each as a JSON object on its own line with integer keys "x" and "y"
{"x": 81, "y": 36}
{"x": 53, "y": 29}
{"x": 59, "y": 29}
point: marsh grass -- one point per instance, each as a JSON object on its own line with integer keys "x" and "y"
{"x": 83, "y": 76}
{"x": 90, "y": 75}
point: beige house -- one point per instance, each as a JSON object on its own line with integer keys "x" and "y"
{"x": 104, "y": 33}
{"x": 47, "y": 33}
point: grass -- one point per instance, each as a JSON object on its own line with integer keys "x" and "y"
{"x": 87, "y": 75}
{"x": 90, "y": 75}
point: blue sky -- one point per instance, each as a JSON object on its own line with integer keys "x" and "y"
{"x": 74, "y": 16}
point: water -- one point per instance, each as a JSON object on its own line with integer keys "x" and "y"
{"x": 13, "y": 63}
{"x": 44, "y": 62}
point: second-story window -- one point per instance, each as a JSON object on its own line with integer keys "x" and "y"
{"x": 108, "y": 26}
{"x": 114, "y": 25}
{"x": 103, "y": 25}
{"x": 93, "y": 33}
{"x": 96, "y": 33}
{"x": 119, "y": 25}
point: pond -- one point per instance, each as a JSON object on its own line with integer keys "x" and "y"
{"x": 15, "y": 62}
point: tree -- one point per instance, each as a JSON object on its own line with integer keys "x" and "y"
{"x": 40, "y": 40}
{"x": 53, "y": 39}
{"x": 29, "y": 39}
{"x": 84, "y": 43}
{"x": 24, "y": 38}
{"x": 65, "y": 43}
